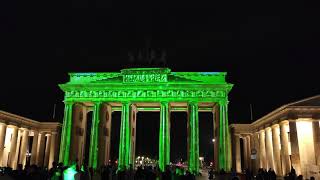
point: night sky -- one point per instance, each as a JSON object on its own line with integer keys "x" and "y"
{"x": 271, "y": 50}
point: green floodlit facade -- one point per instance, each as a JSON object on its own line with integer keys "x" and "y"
{"x": 142, "y": 89}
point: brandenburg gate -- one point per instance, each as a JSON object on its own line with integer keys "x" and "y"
{"x": 142, "y": 89}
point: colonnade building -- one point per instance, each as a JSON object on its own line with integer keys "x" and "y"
{"x": 25, "y": 141}
{"x": 286, "y": 137}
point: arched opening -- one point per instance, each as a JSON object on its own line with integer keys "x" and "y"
{"x": 87, "y": 137}
{"x": 115, "y": 136}
{"x": 179, "y": 136}
{"x": 206, "y": 139}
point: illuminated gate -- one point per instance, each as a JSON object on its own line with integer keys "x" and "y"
{"x": 142, "y": 89}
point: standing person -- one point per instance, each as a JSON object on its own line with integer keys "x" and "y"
{"x": 211, "y": 174}
{"x": 70, "y": 172}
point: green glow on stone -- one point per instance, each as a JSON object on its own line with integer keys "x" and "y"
{"x": 66, "y": 135}
{"x": 164, "y": 136}
{"x": 193, "y": 137}
{"x": 125, "y": 144}
{"x": 148, "y": 85}
{"x": 93, "y": 152}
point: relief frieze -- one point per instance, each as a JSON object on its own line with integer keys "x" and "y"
{"x": 146, "y": 94}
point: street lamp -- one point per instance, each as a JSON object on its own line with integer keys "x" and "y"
{"x": 213, "y": 140}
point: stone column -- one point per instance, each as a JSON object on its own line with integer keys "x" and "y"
{"x": 164, "y": 136}
{"x": 13, "y": 147}
{"x": 66, "y": 134}
{"x": 263, "y": 160}
{"x": 17, "y": 153}
{"x": 257, "y": 147}
{"x": 24, "y": 147}
{"x": 133, "y": 116}
{"x": 237, "y": 153}
{"x": 105, "y": 132}
{"x": 216, "y": 128}
{"x": 47, "y": 151}
{"x": 276, "y": 148}
{"x": 269, "y": 149}
{"x": 224, "y": 138}
{"x": 34, "y": 148}
{"x": 245, "y": 152}
{"x": 249, "y": 151}
{"x": 316, "y": 140}
{"x": 294, "y": 146}
{"x": 52, "y": 149}
{"x": 93, "y": 151}
{"x": 3, "y": 129}
{"x": 40, "y": 150}
{"x": 193, "y": 121}
{"x": 124, "y": 147}
{"x": 284, "y": 129}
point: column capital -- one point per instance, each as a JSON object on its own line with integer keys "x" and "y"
{"x": 223, "y": 102}
{"x": 164, "y": 102}
{"x": 267, "y": 128}
{"x": 193, "y": 102}
{"x": 275, "y": 126}
{"x": 261, "y": 131}
{"x": 97, "y": 103}
{"x": 3, "y": 124}
{"x": 68, "y": 102}
{"x": 284, "y": 122}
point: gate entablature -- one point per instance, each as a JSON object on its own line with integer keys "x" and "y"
{"x": 147, "y": 84}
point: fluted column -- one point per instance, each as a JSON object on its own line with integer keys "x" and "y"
{"x": 263, "y": 160}
{"x": 66, "y": 134}
{"x": 93, "y": 152}
{"x": 284, "y": 129}
{"x": 276, "y": 148}
{"x": 24, "y": 146}
{"x": 316, "y": 140}
{"x": 34, "y": 148}
{"x": 249, "y": 151}
{"x": 294, "y": 146}
{"x": 47, "y": 151}
{"x": 3, "y": 129}
{"x": 269, "y": 148}
{"x": 13, "y": 146}
{"x": 238, "y": 153}
{"x": 133, "y": 122}
{"x": 193, "y": 121}
{"x": 40, "y": 149}
{"x": 164, "y": 136}
{"x": 105, "y": 134}
{"x": 245, "y": 152}
{"x": 52, "y": 149}
{"x": 257, "y": 148}
{"x": 124, "y": 147}
{"x": 224, "y": 138}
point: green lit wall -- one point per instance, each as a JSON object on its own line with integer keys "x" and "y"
{"x": 148, "y": 85}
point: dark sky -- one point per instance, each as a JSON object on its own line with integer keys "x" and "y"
{"x": 269, "y": 49}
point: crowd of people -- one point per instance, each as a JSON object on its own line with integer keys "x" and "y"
{"x": 111, "y": 172}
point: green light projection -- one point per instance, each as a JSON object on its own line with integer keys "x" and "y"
{"x": 148, "y": 85}
{"x": 193, "y": 121}
{"x": 93, "y": 151}
{"x": 164, "y": 136}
